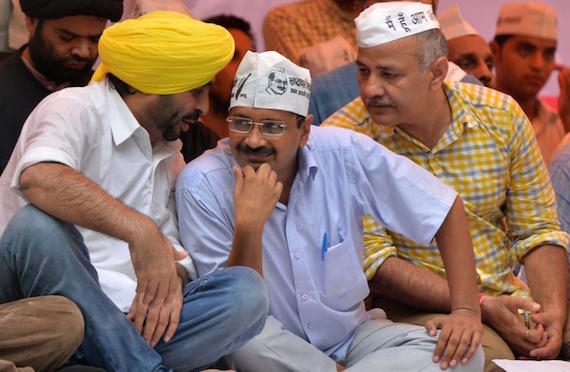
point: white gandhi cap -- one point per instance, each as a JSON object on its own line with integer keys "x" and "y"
{"x": 382, "y": 23}
{"x": 270, "y": 81}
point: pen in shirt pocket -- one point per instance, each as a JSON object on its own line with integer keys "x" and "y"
{"x": 324, "y": 246}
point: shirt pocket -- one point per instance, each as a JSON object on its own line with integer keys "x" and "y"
{"x": 343, "y": 284}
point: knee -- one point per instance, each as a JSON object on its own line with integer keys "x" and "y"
{"x": 251, "y": 300}
{"x": 66, "y": 319}
{"x": 31, "y": 227}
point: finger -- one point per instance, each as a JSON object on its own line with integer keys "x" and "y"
{"x": 441, "y": 342}
{"x": 248, "y": 172}
{"x": 140, "y": 315}
{"x": 162, "y": 323}
{"x": 431, "y": 327}
{"x": 535, "y": 336}
{"x": 133, "y": 308}
{"x": 179, "y": 254}
{"x": 462, "y": 348}
{"x": 238, "y": 175}
{"x": 450, "y": 347}
{"x": 264, "y": 170}
{"x": 152, "y": 318}
{"x": 546, "y": 352}
{"x": 278, "y": 189}
{"x": 272, "y": 178}
{"x": 475, "y": 341}
{"x": 174, "y": 319}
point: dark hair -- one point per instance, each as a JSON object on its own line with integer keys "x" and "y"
{"x": 120, "y": 86}
{"x": 501, "y": 39}
{"x": 230, "y": 21}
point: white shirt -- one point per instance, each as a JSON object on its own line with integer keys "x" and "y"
{"x": 342, "y": 176}
{"x": 91, "y": 130}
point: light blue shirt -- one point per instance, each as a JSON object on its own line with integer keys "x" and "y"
{"x": 342, "y": 176}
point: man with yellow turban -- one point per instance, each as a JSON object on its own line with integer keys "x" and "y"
{"x": 97, "y": 166}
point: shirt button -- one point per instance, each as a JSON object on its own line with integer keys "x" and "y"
{"x": 297, "y": 255}
{"x": 310, "y": 325}
{"x": 305, "y": 296}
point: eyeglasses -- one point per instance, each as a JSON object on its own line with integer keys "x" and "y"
{"x": 268, "y": 127}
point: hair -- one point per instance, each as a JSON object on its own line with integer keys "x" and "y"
{"x": 120, "y": 86}
{"x": 501, "y": 39}
{"x": 433, "y": 46}
{"x": 230, "y": 21}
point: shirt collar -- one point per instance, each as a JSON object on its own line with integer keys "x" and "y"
{"x": 124, "y": 125}
{"x": 307, "y": 164}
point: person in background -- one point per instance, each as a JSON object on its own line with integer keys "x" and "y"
{"x": 338, "y": 88}
{"x": 466, "y": 48}
{"x": 61, "y": 50}
{"x": 524, "y": 51}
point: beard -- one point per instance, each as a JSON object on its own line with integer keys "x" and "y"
{"x": 168, "y": 119}
{"x": 51, "y": 65}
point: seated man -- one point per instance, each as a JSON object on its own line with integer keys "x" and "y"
{"x": 478, "y": 141}
{"x": 97, "y": 166}
{"x": 292, "y": 211}
{"x": 339, "y": 87}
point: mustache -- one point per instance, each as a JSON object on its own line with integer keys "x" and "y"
{"x": 260, "y": 151}
{"x": 379, "y": 101}
{"x": 193, "y": 116}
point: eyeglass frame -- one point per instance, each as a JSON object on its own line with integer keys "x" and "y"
{"x": 283, "y": 125}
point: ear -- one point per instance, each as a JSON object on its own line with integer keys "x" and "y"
{"x": 438, "y": 70}
{"x": 495, "y": 50}
{"x": 31, "y": 24}
{"x": 306, "y": 129}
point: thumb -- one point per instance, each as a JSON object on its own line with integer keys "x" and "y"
{"x": 179, "y": 254}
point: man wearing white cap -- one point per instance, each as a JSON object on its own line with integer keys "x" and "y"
{"x": 287, "y": 200}
{"x": 336, "y": 94}
{"x": 466, "y": 47}
{"x": 478, "y": 141}
{"x": 524, "y": 50}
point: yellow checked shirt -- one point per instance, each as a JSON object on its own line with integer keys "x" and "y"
{"x": 289, "y": 28}
{"x": 489, "y": 155}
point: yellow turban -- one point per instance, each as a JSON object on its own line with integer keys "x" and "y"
{"x": 164, "y": 52}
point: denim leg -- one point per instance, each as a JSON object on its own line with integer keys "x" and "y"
{"x": 41, "y": 255}
{"x": 220, "y": 313}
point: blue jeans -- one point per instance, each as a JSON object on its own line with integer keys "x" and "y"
{"x": 41, "y": 255}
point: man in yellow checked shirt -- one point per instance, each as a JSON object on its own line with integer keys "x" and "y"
{"x": 479, "y": 142}
{"x": 97, "y": 166}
